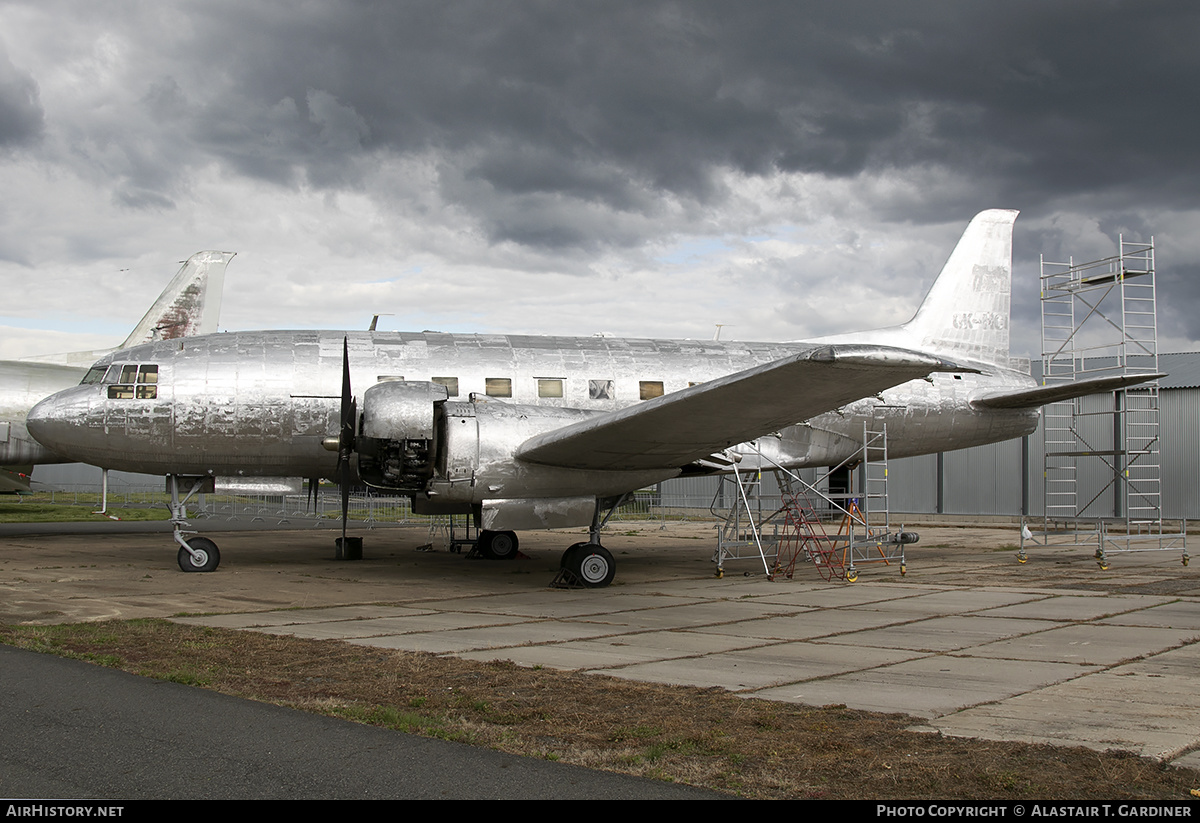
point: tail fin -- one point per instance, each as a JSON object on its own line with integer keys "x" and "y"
{"x": 189, "y": 305}
{"x": 966, "y": 313}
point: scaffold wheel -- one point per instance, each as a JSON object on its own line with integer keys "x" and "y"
{"x": 1185, "y": 558}
{"x": 1022, "y": 557}
{"x": 1103, "y": 565}
{"x": 851, "y": 575}
{"x": 903, "y": 570}
{"x": 719, "y": 574}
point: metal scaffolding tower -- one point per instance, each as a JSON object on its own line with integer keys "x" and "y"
{"x": 835, "y": 531}
{"x": 1102, "y": 470}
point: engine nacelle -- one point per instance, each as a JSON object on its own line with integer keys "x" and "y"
{"x": 397, "y": 440}
{"x": 475, "y": 462}
{"x": 454, "y": 456}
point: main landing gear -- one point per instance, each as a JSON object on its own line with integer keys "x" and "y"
{"x": 498, "y": 545}
{"x": 589, "y": 565}
{"x": 196, "y": 554}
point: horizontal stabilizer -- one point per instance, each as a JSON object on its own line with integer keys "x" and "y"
{"x": 1032, "y": 398}
{"x": 678, "y": 428}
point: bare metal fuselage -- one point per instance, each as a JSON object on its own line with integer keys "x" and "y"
{"x": 262, "y": 403}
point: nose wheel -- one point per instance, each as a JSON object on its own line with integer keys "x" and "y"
{"x": 200, "y": 555}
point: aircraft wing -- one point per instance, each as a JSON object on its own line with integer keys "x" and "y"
{"x": 1040, "y": 396}
{"x": 15, "y": 479}
{"x": 684, "y": 426}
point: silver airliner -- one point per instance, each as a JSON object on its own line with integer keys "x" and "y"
{"x": 533, "y": 432}
{"x": 189, "y": 305}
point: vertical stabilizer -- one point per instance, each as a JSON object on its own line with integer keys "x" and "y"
{"x": 967, "y": 310}
{"x": 189, "y": 305}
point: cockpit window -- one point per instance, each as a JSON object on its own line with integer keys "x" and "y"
{"x": 95, "y": 375}
{"x": 133, "y": 381}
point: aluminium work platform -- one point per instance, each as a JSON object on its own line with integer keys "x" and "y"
{"x": 1102, "y": 468}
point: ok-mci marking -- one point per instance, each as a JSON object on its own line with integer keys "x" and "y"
{"x": 551, "y": 432}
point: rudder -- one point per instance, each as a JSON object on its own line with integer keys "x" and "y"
{"x": 189, "y": 305}
{"x": 967, "y": 312}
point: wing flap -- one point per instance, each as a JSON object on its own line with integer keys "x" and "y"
{"x": 1040, "y": 396}
{"x": 689, "y": 425}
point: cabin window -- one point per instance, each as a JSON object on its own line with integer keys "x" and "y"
{"x": 600, "y": 390}
{"x": 389, "y": 378}
{"x": 136, "y": 382}
{"x": 451, "y": 384}
{"x": 550, "y": 387}
{"x": 95, "y": 375}
{"x": 650, "y": 389}
{"x": 498, "y": 387}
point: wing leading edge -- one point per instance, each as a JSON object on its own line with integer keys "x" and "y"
{"x": 685, "y": 426}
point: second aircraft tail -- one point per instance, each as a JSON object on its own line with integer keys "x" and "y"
{"x": 189, "y": 305}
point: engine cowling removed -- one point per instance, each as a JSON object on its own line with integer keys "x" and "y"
{"x": 397, "y": 440}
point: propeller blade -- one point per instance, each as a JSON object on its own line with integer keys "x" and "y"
{"x": 344, "y": 483}
{"x": 346, "y": 435}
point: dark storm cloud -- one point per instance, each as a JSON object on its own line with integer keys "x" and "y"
{"x": 21, "y": 117}
{"x": 550, "y": 135}
{"x": 604, "y": 101}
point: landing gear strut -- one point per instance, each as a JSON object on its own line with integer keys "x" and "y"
{"x": 196, "y": 554}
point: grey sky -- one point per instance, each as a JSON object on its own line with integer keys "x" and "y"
{"x": 637, "y": 168}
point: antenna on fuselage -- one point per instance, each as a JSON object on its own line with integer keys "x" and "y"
{"x": 720, "y": 326}
{"x": 375, "y": 320}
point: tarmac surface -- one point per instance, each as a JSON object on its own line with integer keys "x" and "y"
{"x": 973, "y": 643}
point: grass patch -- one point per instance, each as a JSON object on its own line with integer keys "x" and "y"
{"x": 704, "y": 737}
{"x": 54, "y": 513}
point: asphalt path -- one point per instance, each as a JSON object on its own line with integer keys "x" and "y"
{"x": 75, "y": 730}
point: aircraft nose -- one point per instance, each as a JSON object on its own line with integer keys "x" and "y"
{"x": 57, "y": 422}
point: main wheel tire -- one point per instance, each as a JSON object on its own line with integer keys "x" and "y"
{"x": 594, "y": 566}
{"x": 568, "y": 556}
{"x": 498, "y": 545}
{"x": 204, "y": 556}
